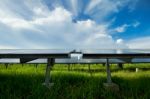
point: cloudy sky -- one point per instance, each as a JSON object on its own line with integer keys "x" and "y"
{"x": 61, "y": 24}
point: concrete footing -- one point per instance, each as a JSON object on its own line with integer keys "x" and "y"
{"x": 49, "y": 85}
{"x": 136, "y": 70}
{"x": 111, "y": 87}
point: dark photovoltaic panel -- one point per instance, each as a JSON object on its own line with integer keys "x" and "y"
{"x": 116, "y": 53}
{"x": 41, "y": 53}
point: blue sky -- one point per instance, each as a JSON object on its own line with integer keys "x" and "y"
{"x": 61, "y": 24}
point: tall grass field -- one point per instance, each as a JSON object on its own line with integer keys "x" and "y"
{"x": 73, "y": 82}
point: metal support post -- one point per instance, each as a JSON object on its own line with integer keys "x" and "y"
{"x": 6, "y": 65}
{"x": 36, "y": 65}
{"x": 110, "y": 85}
{"x": 103, "y": 64}
{"x": 89, "y": 67}
{"x": 68, "y": 67}
{"x": 108, "y": 71}
{"x": 50, "y": 63}
{"x": 120, "y": 65}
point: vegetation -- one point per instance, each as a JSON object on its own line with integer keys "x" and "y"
{"x": 25, "y": 82}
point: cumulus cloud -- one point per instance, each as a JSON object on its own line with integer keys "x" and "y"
{"x": 31, "y": 24}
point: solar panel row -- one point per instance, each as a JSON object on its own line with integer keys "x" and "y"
{"x": 81, "y": 61}
{"x": 79, "y": 56}
{"x": 74, "y": 56}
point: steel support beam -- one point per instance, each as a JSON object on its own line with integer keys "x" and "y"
{"x": 22, "y": 65}
{"x": 69, "y": 65}
{"x": 50, "y": 63}
{"x": 103, "y": 64}
{"x": 89, "y": 66}
{"x": 6, "y": 65}
{"x": 108, "y": 71}
{"x": 109, "y": 85}
{"x": 120, "y": 65}
{"x": 25, "y": 60}
{"x": 125, "y": 60}
{"x": 36, "y": 65}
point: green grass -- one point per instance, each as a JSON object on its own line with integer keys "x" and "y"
{"x": 17, "y": 82}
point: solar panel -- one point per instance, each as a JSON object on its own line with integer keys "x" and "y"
{"x": 33, "y": 51}
{"x": 116, "y": 51}
{"x": 69, "y": 55}
{"x": 9, "y": 61}
{"x": 82, "y": 61}
{"x": 87, "y": 51}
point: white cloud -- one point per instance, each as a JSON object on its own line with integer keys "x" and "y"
{"x": 119, "y": 41}
{"x": 92, "y": 4}
{"x": 100, "y": 9}
{"x": 122, "y": 28}
{"x": 136, "y": 24}
{"x": 133, "y": 4}
{"x": 74, "y": 4}
{"x": 50, "y": 28}
{"x": 139, "y": 43}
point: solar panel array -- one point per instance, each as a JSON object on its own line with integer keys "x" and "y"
{"x": 57, "y": 51}
{"x": 64, "y": 56}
